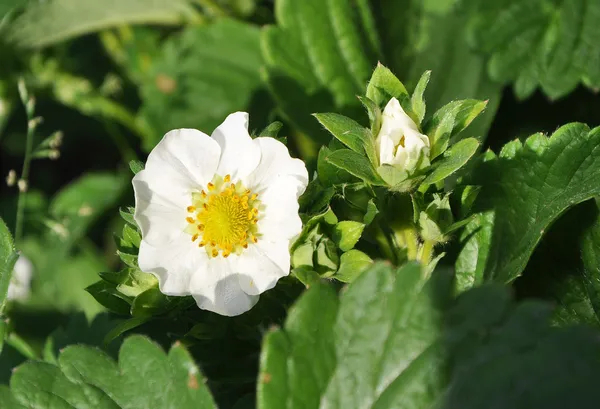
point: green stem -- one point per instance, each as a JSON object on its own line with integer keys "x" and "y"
{"x": 410, "y": 236}
{"x": 25, "y": 177}
{"x": 22, "y": 346}
{"x": 427, "y": 252}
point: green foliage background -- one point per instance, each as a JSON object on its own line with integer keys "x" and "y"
{"x": 114, "y": 76}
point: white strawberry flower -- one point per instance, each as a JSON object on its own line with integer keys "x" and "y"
{"x": 217, "y": 214}
{"x": 20, "y": 282}
{"x": 399, "y": 141}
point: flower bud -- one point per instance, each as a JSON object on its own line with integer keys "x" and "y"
{"x": 399, "y": 141}
{"x": 11, "y": 179}
{"x": 22, "y": 184}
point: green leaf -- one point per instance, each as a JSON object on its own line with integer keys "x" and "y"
{"x": 150, "y": 303}
{"x": 78, "y": 204}
{"x": 330, "y": 175}
{"x": 545, "y": 43}
{"x": 526, "y": 188}
{"x": 424, "y": 35}
{"x": 347, "y": 233}
{"x": 8, "y": 258}
{"x": 379, "y": 343}
{"x": 306, "y": 275}
{"x": 87, "y": 377}
{"x": 108, "y": 296}
{"x": 416, "y": 100}
{"x": 384, "y": 85}
{"x": 392, "y": 340}
{"x": 46, "y": 23}
{"x": 131, "y": 236}
{"x": 355, "y": 164}
{"x": 127, "y": 215}
{"x": 590, "y": 255}
{"x": 454, "y": 158}
{"x": 346, "y": 130}
{"x": 318, "y": 58}
{"x": 352, "y": 264}
{"x": 449, "y": 121}
{"x": 272, "y": 130}
{"x": 209, "y": 68}
{"x": 136, "y": 166}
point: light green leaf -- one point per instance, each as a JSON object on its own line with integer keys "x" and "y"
{"x": 8, "y": 258}
{"x": 46, "y": 23}
{"x": 416, "y": 100}
{"x": 352, "y": 264}
{"x": 346, "y": 130}
{"x": 526, "y": 188}
{"x": 545, "y": 43}
{"x": 212, "y": 69}
{"x": 318, "y": 57}
{"x": 384, "y": 85}
{"x": 449, "y": 121}
{"x": 347, "y": 233}
{"x": 136, "y": 166}
{"x": 88, "y": 378}
{"x": 454, "y": 158}
{"x": 355, "y": 164}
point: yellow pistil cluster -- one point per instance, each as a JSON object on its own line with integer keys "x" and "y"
{"x": 223, "y": 218}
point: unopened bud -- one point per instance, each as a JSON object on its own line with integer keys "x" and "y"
{"x": 11, "y": 179}
{"x": 33, "y": 123}
{"x": 23, "y": 90}
{"x": 54, "y": 154}
{"x": 22, "y": 185}
{"x": 56, "y": 139}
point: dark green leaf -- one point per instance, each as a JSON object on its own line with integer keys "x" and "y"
{"x": 524, "y": 189}
{"x": 318, "y": 58}
{"x": 46, "y": 23}
{"x": 272, "y": 130}
{"x": 108, "y": 296}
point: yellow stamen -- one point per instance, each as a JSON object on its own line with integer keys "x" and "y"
{"x": 189, "y": 220}
{"x": 227, "y": 178}
{"x": 210, "y": 186}
{"x": 191, "y": 209}
{"x": 195, "y": 237}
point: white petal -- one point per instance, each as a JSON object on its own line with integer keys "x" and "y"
{"x": 276, "y": 162}
{"x": 239, "y": 155}
{"x": 185, "y": 160}
{"x": 386, "y": 149}
{"x": 280, "y": 219}
{"x": 394, "y": 117}
{"x": 220, "y": 291}
{"x": 160, "y": 218}
{"x": 175, "y": 264}
{"x": 262, "y": 265}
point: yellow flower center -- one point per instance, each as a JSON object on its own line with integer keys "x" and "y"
{"x": 224, "y": 219}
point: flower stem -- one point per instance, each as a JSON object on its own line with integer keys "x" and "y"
{"x": 24, "y": 177}
{"x": 426, "y": 252}
{"x": 411, "y": 243}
